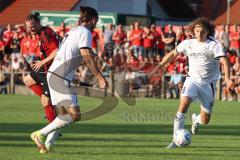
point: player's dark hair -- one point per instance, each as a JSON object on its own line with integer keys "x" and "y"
{"x": 205, "y": 23}
{"x": 87, "y": 14}
{"x": 33, "y": 16}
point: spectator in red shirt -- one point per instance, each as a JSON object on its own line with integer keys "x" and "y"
{"x": 119, "y": 37}
{"x": 181, "y": 62}
{"x": 95, "y": 39}
{"x": 136, "y": 40}
{"x": 15, "y": 46}
{"x": 133, "y": 62}
{"x": 148, "y": 42}
{"x": 187, "y": 33}
{"x": 62, "y": 29}
{"x": 231, "y": 56}
{"x": 129, "y": 32}
{"x": 1, "y": 50}
{"x": 8, "y": 38}
{"x": 24, "y": 45}
{"x": 235, "y": 40}
{"x": 158, "y": 43}
{"x": 34, "y": 41}
{"x": 180, "y": 36}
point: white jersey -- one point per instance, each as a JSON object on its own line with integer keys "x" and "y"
{"x": 68, "y": 57}
{"x": 203, "y": 59}
{"x": 62, "y": 70}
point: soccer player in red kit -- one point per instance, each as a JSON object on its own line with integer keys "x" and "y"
{"x": 36, "y": 80}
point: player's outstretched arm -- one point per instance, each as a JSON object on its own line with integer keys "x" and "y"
{"x": 226, "y": 69}
{"x": 166, "y": 59}
{"x": 90, "y": 62}
{"x": 38, "y": 64}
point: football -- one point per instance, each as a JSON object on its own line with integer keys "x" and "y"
{"x": 182, "y": 138}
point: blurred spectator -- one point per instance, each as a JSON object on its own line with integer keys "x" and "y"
{"x": 158, "y": 43}
{"x": 34, "y": 44}
{"x": 106, "y": 42}
{"x": 234, "y": 40}
{"x": 120, "y": 59}
{"x": 181, "y": 63}
{"x": 133, "y": 80}
{"x": 3, "y": 81}
{"x": 135, "y": 38}
{"x": 108, "y": 33}
{"x": 180, "y": 35}
{"x": 219, "y": 32}
{"x": 236, "y": 67}
{"x": 224, "y": 39}
{"x": 129, "y": 32}
{"x": 132, "y": 62}
{"x": 1, "y": 31}
{"x": 25, "y": 44}
{"x": 148, "y": 42}
{"x": 7, "y": 38}
{"x": 175, "y": 84}
{"x": 1, "y": 50}
{"x": 62, "y": 29}
{"x": 105, "y": 69}
{"x": 169, "y": 39}
{"x": 15, "y": 45}
{"x": 16, "y": 63}
{"x": 119, "y": 38}
{"x": 232, "y": 57}
{"x": 95, "y": 39}
{"x": 187, "y": 33}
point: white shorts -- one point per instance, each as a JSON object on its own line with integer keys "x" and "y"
{"x": 60, "y": 92}
{"x": 203, "y": 93}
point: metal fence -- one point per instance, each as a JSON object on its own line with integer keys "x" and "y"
{"x": 14, "y": 85}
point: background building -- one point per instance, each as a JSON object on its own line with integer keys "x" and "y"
{"x": 14, "y": 11}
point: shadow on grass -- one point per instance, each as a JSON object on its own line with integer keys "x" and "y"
{"x": 87, "y": 128}
{"x": 82, "y": 144}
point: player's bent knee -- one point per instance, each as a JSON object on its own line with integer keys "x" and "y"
{"x": 25, "y": 81}
{"x": 28, "y": 81}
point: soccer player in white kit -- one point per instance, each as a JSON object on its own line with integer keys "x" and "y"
{"x": 204, "y": 53}
{"x": 74, "y": 50}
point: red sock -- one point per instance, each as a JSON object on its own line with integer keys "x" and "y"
{"x": 50, "y": 112}
{"x": 37, "y": 89}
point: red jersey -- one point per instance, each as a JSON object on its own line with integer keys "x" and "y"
{"x": 25, "y": 44}
{"x": 133, "y": 62}
{"x": 147, "y": 42}
{"x": 121, "y": 35}
{"x": 7, "y": 37}
{"x": 49, "y": 41}
{"x": 137, "y": 37}
{"x": 95, "y": 37}
{"x": 1, "y": 45}
{"x": 234, "y": 43}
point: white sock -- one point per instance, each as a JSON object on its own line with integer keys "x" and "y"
{"x": 198, "y": 119}
{"x": 178, "y": 122}
{"x": 59, "y": 122}
{"x": 52, "y": 137}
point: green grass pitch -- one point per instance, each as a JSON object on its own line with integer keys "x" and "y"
{"x": 128, "y": 132}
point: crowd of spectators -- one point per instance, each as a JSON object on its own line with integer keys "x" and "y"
{"x": 127, "y": 52}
